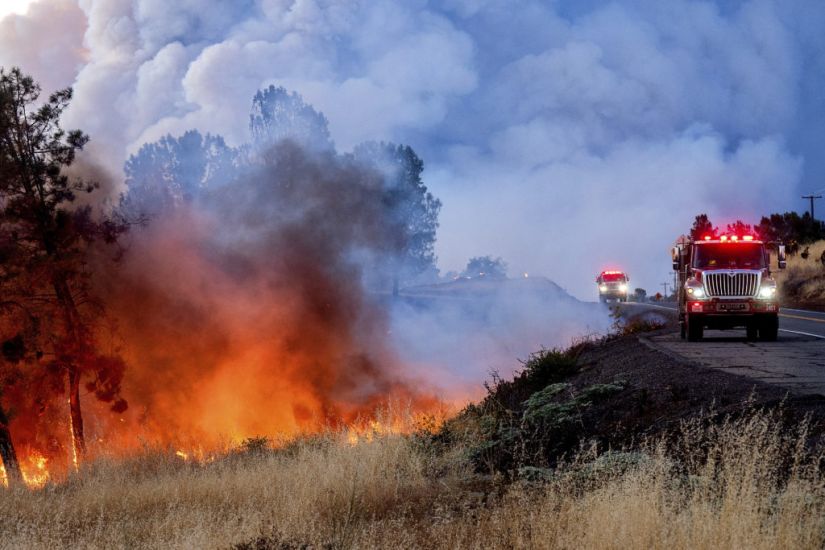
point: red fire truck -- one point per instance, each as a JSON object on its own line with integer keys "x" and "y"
{"x": 613, "y": 285}
{"x": 725, "y": 282}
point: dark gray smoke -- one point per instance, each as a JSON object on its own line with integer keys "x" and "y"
{"x": 243, "y": 312}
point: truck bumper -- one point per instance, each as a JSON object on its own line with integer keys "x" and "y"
{"x": 724, "y": 314}
{"x": 732, "y": 307}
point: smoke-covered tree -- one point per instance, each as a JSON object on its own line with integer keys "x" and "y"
{"x": 409, "y": 204}
{"x": 486, "y": 266}
{"x": 278, "y": 115}
{"x": 175, "y": 170}
{"x": 702, "y": 226}
{"x": 48, "y": 308}
{"x": 172, "y": 171}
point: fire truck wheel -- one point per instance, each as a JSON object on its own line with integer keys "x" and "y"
{"x": 695, "y": 330}
{"x": 751, "y": 331}
{"x": 769, "y": 329}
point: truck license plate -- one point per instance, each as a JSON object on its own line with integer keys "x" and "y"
{"x": 742, "y": 306}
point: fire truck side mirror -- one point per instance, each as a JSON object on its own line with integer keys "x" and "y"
{"x": 675, "y": 257}
{"x": 780, "y": 257}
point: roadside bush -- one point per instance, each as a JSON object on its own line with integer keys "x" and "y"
{"x": 530, "y": 421}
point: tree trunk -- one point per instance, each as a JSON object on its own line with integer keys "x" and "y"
{"x": 7, "y": 452}
{"x": 74, "y": 330}
{"x": 78, "y": 439}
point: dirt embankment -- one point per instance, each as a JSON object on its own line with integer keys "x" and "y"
{"x": 612, "y": 394}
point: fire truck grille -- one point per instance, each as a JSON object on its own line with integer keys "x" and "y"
{"x": 727, "y": 284}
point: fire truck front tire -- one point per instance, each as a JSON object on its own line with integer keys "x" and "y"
{"x": 695, "y": 330}
{"x": 769, "y": 328}
{"x": 752, "y": 331}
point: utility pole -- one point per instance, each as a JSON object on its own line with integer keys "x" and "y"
{"x": 675, "y": 282}
{"x": 811, "y": 198}
{"x": 666, "y": 285}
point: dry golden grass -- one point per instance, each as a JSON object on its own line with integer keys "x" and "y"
{"x": 748, "y": 487}
{"x": 804, "y": 279}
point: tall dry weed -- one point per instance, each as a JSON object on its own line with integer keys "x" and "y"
{"x": 743, "y": 483}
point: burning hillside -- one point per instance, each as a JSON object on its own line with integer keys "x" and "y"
{"x": 243, "y": 313}
{"x": 234, "y": 306}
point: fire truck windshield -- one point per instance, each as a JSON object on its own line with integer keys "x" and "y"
{"x": 729, "y": 256}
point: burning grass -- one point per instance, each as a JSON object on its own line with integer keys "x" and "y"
{"x": 747, "y": 482}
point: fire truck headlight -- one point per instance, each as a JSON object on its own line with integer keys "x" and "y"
{"x": 767, "y": 291}
{"x": 696, "y": 292}
{"x": 622, "y": 288}
{"x": 603, "y": 288}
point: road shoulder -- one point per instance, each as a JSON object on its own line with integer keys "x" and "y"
{"x": 795, "y": 363}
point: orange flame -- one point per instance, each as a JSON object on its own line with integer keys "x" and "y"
{"x": 384, "y": 425}
{"x": 72, "y": 439}
{"x": 35, "y": 470}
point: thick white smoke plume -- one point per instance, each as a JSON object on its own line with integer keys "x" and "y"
{"x": 565, "y": 136}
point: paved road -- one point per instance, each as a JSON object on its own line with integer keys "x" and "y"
{"x": 796, "y": 361}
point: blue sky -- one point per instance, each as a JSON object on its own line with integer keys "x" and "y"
{"x": 564, "y": 136}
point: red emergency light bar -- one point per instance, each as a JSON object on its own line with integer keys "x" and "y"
{"x": 612, "y": 272}
{"x": 731, "y": 238}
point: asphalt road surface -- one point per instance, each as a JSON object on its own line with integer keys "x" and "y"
{"x": 796, "y": 361}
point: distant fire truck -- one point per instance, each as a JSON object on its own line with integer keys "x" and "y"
{"x": 613, "y": 286}
{"x": 725, "y": 282}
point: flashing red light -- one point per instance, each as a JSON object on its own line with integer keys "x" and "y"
{"x": 732, "y": 238}
{"x": 696, "y": 307}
